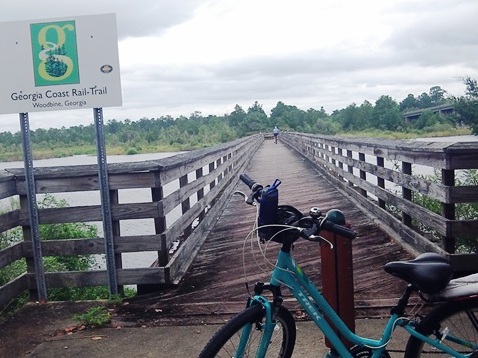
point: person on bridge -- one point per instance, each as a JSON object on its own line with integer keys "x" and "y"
{"x": 275, "y": 131}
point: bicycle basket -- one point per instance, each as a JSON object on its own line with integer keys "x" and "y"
{"x": 286, "y": 215}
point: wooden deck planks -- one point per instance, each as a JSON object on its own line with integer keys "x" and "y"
{"x": 217, "y": 274}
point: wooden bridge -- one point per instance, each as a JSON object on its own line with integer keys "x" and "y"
{"x": 215, "y": 282}
{"x": 371, "y": 181}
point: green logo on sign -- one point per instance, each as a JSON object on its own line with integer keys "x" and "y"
{"x": 55, "y": 56}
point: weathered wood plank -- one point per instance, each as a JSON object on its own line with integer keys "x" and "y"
{"x": 11, "y": 254}
{"x": 463, "y": 194}
{"x": 464, "y": 228}
{"x": 13, "y": 289}
{"x": 90, "y": 213}
{"x": 175, "y": 230}
{"x": 92, "y": 246}
{"x": 7, "y": 186}
{"x": 420, "y": 185}
{"x": 9, "y": 220}
{"x": 150, "y": 275}
{"x": 90, "y": 183}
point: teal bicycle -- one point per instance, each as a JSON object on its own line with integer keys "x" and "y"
{"x": 267, "y": 329}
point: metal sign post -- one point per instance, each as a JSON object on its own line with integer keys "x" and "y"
{"x": 105, "y": 201}
{"x": 33, "y": 209}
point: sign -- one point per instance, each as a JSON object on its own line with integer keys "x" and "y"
{"x": 59, "y": 64}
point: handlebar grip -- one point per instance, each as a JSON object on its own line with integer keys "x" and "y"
{"x": 339, "y": 229}
{"x": 247, "y": 180}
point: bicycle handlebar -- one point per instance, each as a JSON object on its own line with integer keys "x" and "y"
{"x": 314, "y": 224}
{"x": 338, "y": 229}
{"x": 247, "y": 180}
{"x": 252, "y": 184}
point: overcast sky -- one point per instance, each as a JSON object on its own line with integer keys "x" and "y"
{"x": 182, "y": 56}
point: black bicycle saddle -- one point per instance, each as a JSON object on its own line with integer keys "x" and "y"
{"x": 429, "y": 272}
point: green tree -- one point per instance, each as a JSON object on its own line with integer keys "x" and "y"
{"x": 437, "y": 95}
{"x": 312, "y": 118}
{"x": 237, "y": 120}
{"x": 466, "y": 107}
{"x": 424, "y": 100}
{"x": 256, "y": 119}
{"x": 409, "y": 103}
{"x": 386, "y": 114}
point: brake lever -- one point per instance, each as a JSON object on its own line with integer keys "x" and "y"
{"x": 250, "y": 198}
{"x": 238, "y": 192}
{"x": 309, "y": 234}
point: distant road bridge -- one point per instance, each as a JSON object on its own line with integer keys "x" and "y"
{"x": 445, "y": 109}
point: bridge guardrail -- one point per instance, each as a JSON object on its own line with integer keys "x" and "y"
{"x": 381, "y": 176}
{"x": 202, "y": 180}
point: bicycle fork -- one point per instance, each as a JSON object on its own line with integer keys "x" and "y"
{"x": 268, "y": 327}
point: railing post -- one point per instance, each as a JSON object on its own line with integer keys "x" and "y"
{"x": 448, "y": 211}
{"x": 350, "y": 168}
{"x": 185, "y": 204}
{"x": 381, "y": 181}
{"x": 341, "y": 164}
{"x": 157, "y": 195}
{"x": 337, "y": 279}
{"x": 406, "y": 193}
{"x": 159, "y": 223}
{"x": 332, "y": 149}
{"x": 218, "y": 164}
{"x": 200, "y": 193}
{"x": 363, "y": 174}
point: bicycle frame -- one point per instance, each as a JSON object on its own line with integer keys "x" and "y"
{"x": 288, "y": 273}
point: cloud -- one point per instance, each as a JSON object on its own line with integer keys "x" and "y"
{"x": 134, "y": 19}
{"x": 178, "y": 57}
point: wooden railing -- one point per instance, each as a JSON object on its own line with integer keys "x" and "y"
{"x": 202, "y": 181}
{"x": 384, "y": 177}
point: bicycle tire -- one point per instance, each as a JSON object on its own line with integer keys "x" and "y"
{"x": 460, "y": 317}
{"x": 223, "y": 343}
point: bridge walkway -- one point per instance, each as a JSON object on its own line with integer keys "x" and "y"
{"x": 215, "y": 282}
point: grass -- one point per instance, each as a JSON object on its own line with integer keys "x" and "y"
{"x": 98, "y": 316}
{"x": 7, "y": 155}
{"x": 407, "y": 135}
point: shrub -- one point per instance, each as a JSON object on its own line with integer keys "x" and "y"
{"x": 94, "y": 317}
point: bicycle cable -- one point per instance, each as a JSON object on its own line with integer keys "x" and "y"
{"x": 263, "y": 252}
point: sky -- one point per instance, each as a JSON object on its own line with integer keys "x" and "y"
{"x": 178, "y": 57}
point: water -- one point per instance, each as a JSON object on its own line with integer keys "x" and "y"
{"x": 127, "y": 227}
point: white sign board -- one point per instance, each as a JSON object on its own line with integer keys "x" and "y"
{"x": 59, "y": 64}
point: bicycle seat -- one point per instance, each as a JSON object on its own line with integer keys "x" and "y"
{"x": 429, "y": 272}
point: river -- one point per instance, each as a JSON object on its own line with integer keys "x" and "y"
{"x": 127, "y": 227}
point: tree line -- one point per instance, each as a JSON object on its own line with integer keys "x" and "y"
{"x": 196, "y": 131}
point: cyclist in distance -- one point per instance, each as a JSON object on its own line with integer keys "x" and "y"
{"x": 275, "y": 131}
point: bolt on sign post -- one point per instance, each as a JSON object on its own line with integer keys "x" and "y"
{"x": 60, "y": 64}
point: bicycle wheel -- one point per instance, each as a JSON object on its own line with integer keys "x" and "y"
{"x": 225, "y": 342}
{"x": 458, "y": 319}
